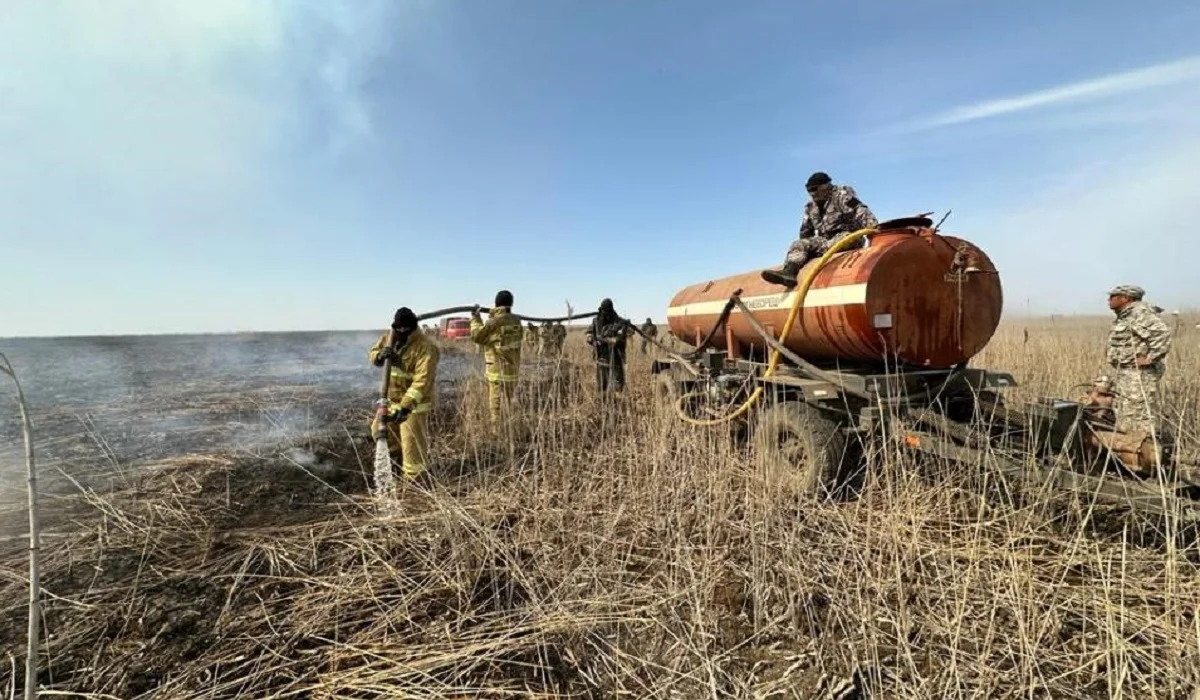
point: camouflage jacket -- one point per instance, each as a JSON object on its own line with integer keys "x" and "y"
{"x": 1137, "y": 330}
{"x": 843, "y": 212}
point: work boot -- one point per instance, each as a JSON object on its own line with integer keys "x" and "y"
{"x": 785, "y": 276}
{"x": 420, "y": 482}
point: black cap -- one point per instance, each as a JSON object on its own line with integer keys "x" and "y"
{"x": 606, "y": 305}
{"x": 404, "y": 319}
{"x": 816, "y": 179}
{"x": 504, "y": 298}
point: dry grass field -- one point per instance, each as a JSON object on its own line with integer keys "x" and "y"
{"x": 605, "y": 550}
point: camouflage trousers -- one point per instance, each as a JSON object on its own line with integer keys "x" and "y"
{"x": 1137, "y": 399}
{"x": 804, "y": 249}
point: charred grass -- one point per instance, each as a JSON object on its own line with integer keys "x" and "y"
{"x": 601, "y": 549}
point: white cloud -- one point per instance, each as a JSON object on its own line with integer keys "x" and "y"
{"x": 1161, "y": 75}
{"x": 1117, "y": 220}
{"x": 167, "y": 110}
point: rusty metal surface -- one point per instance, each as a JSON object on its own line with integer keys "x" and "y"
{"x": 902, "y": 298}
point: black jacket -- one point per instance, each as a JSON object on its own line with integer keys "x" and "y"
{"x": 605, "y": 327}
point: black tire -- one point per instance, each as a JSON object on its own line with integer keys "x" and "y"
{"x": 796, "y": 437}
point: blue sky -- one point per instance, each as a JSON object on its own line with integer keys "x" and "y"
{"x": 231, "y": 165}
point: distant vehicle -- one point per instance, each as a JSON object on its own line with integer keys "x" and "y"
{"x": 456, "y": 328}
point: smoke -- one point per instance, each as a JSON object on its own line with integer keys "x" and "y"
{"x": 308, "y": 461}
{"x": 106, "y": 404}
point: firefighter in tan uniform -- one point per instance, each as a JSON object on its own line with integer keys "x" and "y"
{"x": 411, "y": 391}
{"x": 500, "y": 339}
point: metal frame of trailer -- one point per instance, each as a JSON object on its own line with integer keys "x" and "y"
{"x": 823, "y": 426}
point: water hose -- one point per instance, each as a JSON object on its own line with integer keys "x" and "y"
{"x": 797, "y": 304}
{"x": 535, "y": 319}
{"x": 804, "y": 364}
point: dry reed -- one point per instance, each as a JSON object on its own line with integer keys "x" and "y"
{"x": 602, "y": 549}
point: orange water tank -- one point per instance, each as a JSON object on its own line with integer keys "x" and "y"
{"x": 911, "y": 297}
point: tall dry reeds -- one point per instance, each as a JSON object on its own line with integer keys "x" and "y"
{"x": 602, "y": 549}
{"x": 34, "y": 607}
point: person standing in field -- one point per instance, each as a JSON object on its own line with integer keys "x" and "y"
{"x": 833, "y": 211}
{"x": 411, "y": 392}
{"x": 1138, "y": 343}
{"x": 648, "y": 330}
{"x": 607, "y": 336}
{"x": 500, "y": 339}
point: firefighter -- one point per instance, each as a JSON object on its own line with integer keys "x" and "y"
{"x": 648, "y": 330}
{"x": 500, "y": 339}
{"x": 411, "y": 392}
{"x": 607, "y": 335}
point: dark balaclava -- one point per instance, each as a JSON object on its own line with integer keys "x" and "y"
{"x": 404, "y": 323}
{"x": 504, "y": 298}
{"x": 607, "y": 313}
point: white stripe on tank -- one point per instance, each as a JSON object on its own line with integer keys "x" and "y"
{"x": 815, "y": 298}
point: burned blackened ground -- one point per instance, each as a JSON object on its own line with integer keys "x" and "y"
{"x": 104, "y": 406}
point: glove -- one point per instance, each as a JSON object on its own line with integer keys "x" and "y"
{"x": 388, "y": 353}
{"x": 400, "y": 416}
{"x": 475, "y": 311}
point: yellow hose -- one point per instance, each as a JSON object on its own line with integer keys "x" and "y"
{"x": 797, "y": 304}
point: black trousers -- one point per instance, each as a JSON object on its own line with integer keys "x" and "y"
{"x": 610, "y": 372}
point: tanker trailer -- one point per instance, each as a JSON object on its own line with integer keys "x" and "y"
{"x": 875, "y": 336}
{"x": 910, "y": 298}
{"x": 885, "y": 326}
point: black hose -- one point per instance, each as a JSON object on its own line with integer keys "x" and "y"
{"x": 721, "y": 321}
{"x": 535, "y": 319}
{"x": 686, "y": 362}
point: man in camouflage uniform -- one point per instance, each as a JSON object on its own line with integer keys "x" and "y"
{"x": 648, "y": 329}
{"x": 833, "y": 212}
{"x": 1138, "y": 343}
{"x": 560, "y": 337}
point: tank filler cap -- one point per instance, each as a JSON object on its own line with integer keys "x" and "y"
{"x": 906, "y": 222}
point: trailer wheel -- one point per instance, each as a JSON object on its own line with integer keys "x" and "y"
{"x": 797, "y": 438}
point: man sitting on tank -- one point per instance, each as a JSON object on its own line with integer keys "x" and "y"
{"x": 832, "y": 212}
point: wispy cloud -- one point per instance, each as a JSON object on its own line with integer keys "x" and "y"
{"x": 1161, "y": 75}
{"x": 152, "y": 117}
